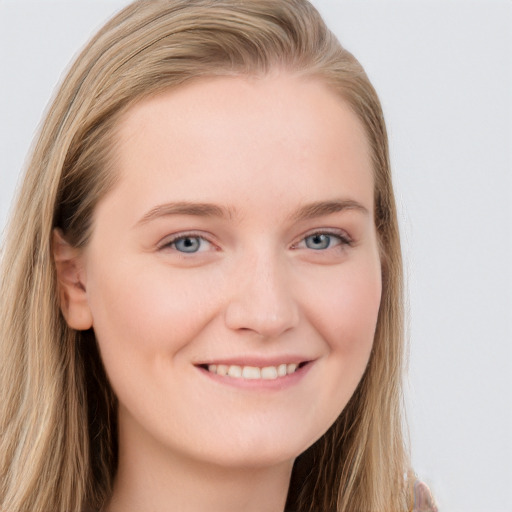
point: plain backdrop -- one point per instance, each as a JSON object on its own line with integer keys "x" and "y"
{"x": 443, "y": 71}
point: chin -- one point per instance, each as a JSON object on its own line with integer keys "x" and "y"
{"x": 257, "y": 449}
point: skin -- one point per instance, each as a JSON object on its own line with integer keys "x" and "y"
{"x": 260, "y": 289}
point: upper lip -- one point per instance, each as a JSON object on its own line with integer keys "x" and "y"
{"x": 256, "y": 361}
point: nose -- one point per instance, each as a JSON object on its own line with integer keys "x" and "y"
{"x": 262, "y": 300}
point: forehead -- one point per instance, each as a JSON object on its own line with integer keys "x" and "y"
{"x": 299, "y": 101}
{"x": 280, "y": 132}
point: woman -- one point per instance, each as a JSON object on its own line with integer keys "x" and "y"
{"x": 201, "y": 283}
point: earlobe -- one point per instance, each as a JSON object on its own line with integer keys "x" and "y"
{"x": 71, "y": 283}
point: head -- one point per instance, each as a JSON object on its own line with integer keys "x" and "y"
{"x": 147, "y": 50}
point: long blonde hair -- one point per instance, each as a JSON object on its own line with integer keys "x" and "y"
{"x": 58, "y": 445}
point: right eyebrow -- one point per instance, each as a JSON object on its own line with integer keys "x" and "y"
{"x": 183, "y": 208}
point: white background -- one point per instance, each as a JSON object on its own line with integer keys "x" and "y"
{"x": 443, "y": 71}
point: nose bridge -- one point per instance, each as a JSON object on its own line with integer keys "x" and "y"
{"x": 262, "y": 300}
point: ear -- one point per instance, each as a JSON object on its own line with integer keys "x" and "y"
{"x": 74, "y": 303}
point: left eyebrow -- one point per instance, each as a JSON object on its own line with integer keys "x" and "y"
{"x": 321, "y": 208}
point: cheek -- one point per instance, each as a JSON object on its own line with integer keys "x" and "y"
{"x": 347, "y": 306}
{"x": 345, "y": 311}
{"x": 149, "y": 316}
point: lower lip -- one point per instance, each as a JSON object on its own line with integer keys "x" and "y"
{"x": 261, "y": 384}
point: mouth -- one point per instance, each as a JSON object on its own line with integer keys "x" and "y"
{"x": 235, "y": 371}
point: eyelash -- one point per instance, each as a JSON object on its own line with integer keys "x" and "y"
{"x": 169, "y": 243}
{"x": 342, "y": 237}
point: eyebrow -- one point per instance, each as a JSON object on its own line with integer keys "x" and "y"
{"x": 308, "y": 211}
{"x": 184, "y": 208}
{"x": 321, "y": 208}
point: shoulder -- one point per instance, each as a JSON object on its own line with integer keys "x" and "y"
{"x": 423, "y": 500}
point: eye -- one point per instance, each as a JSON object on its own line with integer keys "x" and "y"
{"x": 188, "y": 244}
{"x": 321, "y": 241}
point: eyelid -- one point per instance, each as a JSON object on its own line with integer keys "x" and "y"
{"x": 345, "y": 238}
{"x": 167, "y": 241}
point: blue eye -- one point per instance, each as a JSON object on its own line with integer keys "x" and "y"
{"x": 323, "y": 241}
{"x": 318, "y": 241}
{"x": 188, "y": 244}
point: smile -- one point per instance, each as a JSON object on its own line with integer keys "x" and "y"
{"x": 254, "y": 372}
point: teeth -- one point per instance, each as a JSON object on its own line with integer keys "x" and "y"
{"x": 222, "y": 369}
{"x": 235, "y": 371}
{"x": 291, "y": 368}
{"x": 269, "y": 372}
{"x": 253, "y": 372}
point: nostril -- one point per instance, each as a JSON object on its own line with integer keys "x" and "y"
{"x": 268, "y": 321}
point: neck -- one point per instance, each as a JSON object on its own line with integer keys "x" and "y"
{"x": 153, "y": 479}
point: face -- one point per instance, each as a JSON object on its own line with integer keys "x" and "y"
{"x": 233, "y": 276}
